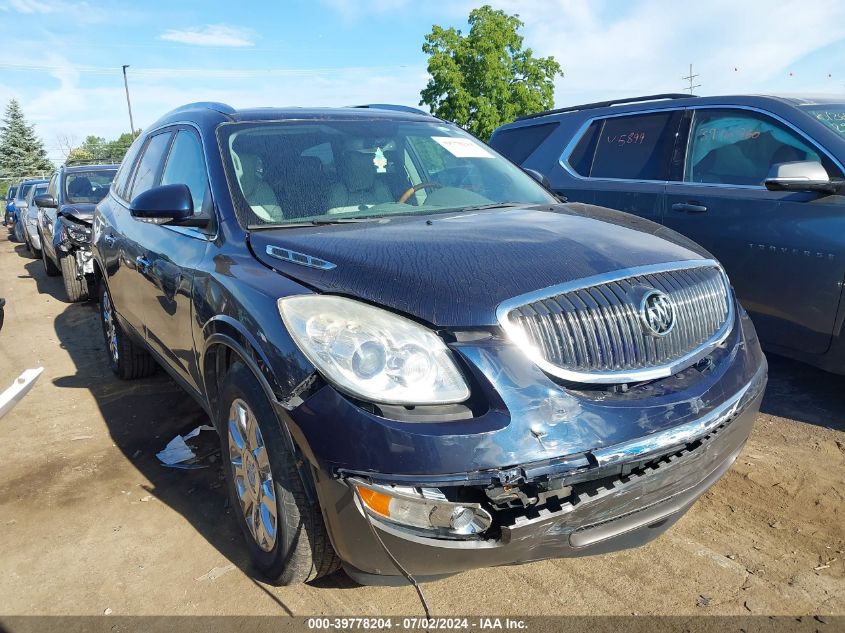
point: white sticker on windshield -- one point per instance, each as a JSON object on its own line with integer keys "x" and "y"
{"x": 462, "y": 147}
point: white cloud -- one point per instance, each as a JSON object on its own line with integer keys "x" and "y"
{"x": 31, "y": 6}
{"x": 210, "y": 35}
{"x": 612, "y": 49}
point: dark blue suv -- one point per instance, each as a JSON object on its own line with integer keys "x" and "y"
{"x": 411, "y": 351}
{"x": 756, "y": 180}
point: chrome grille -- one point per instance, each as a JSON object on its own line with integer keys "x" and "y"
{"x": 592, "y": 331}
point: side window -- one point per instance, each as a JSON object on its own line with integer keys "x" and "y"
{"x": 146, "y": 174}
{"x": 520, "y": 142}
{"x": 581, "y": 159}
{"x": 738, "y": 147}
{"x": 124, "y": 172}
{"x": 636, "y": 147}
{"x": 186, "y": 165}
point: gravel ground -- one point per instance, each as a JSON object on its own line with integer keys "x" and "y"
{"x": 90, "y": 523}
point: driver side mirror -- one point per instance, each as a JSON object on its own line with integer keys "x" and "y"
{"x": 804, "y": 175}
{"x": 160, "y": 205}
{"x": 45, "y": 201}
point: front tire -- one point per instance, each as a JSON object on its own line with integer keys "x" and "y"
{"x": 126, "y": 359}
{"x": 76, "y": 289}
{"x": 285, "y": 533}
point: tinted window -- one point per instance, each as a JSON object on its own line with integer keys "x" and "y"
{"x": 186, "y": 166}
{"x": 832, "y": 115}
{"x": 147, "y": 171}
{"x": 519, "y": 143}
{"x": 637, "y": 147}
{"x": 124, "y": 173}
{"x": 739, "y": 147}
{"x": 51, "y": 188}
{"x": 11, "y": 194}
{"x": 581, "y": 159}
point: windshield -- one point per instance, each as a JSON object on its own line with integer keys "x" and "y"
{"x": 300, "y": 171}
{"x": 36, "y": 191}
{"x": 23, "y": 190}
{"x": 88, "y": 186}
{"x": 831, "y": 114}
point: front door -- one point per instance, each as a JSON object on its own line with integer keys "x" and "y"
{"x": 170, "y": 256}
{"x": 785, "y": 262}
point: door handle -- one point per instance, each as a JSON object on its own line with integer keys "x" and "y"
{"x": 142, "y": 263}
{"x": 689, "y": 207}
{"x": 109, "y": 239}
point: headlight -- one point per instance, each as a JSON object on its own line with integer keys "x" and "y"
{"x": 371, "y": 353}
{"x": 79, "y": 233}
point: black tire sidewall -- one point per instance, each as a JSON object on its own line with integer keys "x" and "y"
{"x": 281, "y": 563}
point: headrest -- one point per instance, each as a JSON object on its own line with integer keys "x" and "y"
{"x": 357, "y": 171}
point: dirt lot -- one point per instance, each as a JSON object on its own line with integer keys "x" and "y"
{"x": 91, "y": 523}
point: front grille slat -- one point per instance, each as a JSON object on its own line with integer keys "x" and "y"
{"x": 598, "y": 330}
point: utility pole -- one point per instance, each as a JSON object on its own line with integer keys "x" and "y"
{"x": 129, "y": 105}
{"x": 690, "y": 78}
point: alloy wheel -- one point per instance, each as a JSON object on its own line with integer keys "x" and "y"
{"x": 252, "y": 475}
{"x": 110, "y": 328}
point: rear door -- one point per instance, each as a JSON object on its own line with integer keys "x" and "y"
{"x": 121, "y": 237}
{"x": 784, "y": 260}
{"x": 623, "y": 161}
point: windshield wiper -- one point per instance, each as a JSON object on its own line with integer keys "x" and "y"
{"x": 299, "y": 225}
{"x": 494, "y": 205}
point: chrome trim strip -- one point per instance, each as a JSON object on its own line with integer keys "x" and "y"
{"x": 302, "y": 259}
{"x": 563, "y": 161}
{"x": 517, "y": 335}
{"x": 683, "y": 434}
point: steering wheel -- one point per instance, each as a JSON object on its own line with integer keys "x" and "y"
{"x": 412, "y": 190}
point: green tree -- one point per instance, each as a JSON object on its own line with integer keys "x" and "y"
{"x": 21, "y": 151}
{"x": 485, "y": 78}
{"x": 96, "y": 149}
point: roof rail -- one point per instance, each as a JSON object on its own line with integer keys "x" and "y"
{"x": 606, "y": 104}
{"x": 222, "y": 108}
{"x": 395, "y": 107}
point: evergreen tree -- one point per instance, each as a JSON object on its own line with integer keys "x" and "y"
{"x": 21, "y": 151}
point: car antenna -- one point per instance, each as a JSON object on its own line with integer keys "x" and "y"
{"x": 392, "y": 558}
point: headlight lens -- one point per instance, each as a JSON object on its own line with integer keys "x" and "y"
{"x": 371, "y": 353}
{"x": 79, "y": 233}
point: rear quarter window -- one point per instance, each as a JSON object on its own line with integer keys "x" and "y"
{"x": 520, "y": 142}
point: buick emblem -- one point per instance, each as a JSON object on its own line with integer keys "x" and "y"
{"x": 657, "y": 313}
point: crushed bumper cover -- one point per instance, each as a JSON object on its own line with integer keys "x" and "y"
{"x": 603, "y": 514}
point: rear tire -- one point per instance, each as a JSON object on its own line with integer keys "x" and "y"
{"x": 126, "y": 359}
{"x": 49, "y": 267}
{"x": 75, "y": 289}
{"x": 285, "y": 533}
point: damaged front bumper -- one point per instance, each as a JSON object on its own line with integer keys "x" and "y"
{"x": 558, "y": 471}
{"x": 628, "y": 500}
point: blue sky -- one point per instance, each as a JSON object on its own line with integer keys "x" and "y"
{"x": 62, "y": 58}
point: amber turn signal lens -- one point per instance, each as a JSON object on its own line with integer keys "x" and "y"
{"x": 375, "y": 501}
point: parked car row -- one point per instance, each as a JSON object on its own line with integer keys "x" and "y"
{"x": 418, "y": 360}
{"x": 757, "y": 181}
{"x": 54, "y": 220}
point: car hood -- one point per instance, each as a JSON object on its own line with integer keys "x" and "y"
{"x": 453, "y": 270}
{"x": 81, "y": 212}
